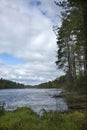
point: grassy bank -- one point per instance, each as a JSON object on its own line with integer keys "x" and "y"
{"x": 26, "y": 119}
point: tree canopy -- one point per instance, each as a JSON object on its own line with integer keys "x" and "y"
{"x": 72, "y": 39}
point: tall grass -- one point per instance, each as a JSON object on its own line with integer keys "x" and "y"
{"x": 26, "y": 119}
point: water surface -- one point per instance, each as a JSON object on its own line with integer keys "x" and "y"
{"x": 36, "y": 99}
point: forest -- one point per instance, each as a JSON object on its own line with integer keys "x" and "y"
{"x": 7, "y": 84}
{"x": 57, "y": 83}
{"x": 72, "y": 42}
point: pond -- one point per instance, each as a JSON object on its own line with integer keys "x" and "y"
{"x": 38, "y": 100}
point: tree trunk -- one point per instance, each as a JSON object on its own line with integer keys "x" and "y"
{"x": 69, "y": 73}
{"x": 84, "y": 9}
{"x": 73, "y": 65}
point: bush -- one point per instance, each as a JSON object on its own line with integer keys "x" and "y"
{"x": 2, "y": 107}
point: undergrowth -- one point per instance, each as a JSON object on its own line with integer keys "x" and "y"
{"x": 26, "y": 119}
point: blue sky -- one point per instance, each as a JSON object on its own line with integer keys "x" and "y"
{"x": 35, "y": 3}
{"x": 27, "y": 41}
{"x": 9, "y": 59}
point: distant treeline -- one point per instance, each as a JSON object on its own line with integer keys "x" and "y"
{"x": 5, "y": 84}
{"x": 57, "y": 83}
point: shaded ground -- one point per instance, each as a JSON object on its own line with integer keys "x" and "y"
{"x": 75, "y": 100}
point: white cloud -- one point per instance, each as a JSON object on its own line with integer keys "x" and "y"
{"x": 26, "y": 33}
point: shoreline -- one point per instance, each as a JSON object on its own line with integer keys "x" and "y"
{"x": 74, "y": 100}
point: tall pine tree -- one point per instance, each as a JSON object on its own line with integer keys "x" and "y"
{"x": 72, "y": 39}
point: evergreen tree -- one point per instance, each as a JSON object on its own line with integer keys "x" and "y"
{"x": 72, "y": 39}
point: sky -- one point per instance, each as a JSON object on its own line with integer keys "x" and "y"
{"x": 27, "y": 41}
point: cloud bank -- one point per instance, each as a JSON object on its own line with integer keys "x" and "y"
{"x": 27, "y": 42}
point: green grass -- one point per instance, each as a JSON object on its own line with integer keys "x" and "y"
{"x": 26, "y": 119}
